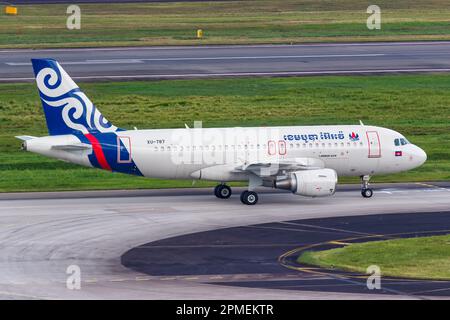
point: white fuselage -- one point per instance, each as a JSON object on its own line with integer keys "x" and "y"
{"x": 180, "y": 153}
{"x": 216, "y": 153}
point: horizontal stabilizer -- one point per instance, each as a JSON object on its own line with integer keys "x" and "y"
{"x": 72, "y": 147}
{"x": 25, "y": 138}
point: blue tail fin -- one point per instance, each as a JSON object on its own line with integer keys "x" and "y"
{"x": 67, "y": 109}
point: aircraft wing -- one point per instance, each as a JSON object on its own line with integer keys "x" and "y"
{"x": 273, "y": 168}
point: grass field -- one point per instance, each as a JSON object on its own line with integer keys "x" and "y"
{"x": 423, "y": 257}
{"x": 235, "y": 22}
{"x": 416, "y": 105}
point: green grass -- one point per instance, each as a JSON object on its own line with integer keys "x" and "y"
{"x": 423, "y": 257}
{"x": 416, "y": 105}
{"x": 235, "y": 22}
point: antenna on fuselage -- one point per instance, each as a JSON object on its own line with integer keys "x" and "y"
{"x": 186, "y": 126}
{"x": 361, "y": 123}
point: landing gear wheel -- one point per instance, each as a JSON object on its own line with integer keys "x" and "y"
{"x": 222, "y": 191}
{"x": 367, "y": 193}
{"x": 249, "y": 197}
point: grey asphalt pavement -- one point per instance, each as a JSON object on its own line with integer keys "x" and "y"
{"x": 41, "y": 237}
{"x": 265, "y": 255}
{"x": 91, "y": 64}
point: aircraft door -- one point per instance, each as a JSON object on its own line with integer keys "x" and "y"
{"x": 123, "y": 150}
{"x": 374, "y": 144}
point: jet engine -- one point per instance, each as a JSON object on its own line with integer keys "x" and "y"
{"x": 311, "y": 183}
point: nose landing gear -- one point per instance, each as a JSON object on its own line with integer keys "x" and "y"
{"x": 366, "y": 192}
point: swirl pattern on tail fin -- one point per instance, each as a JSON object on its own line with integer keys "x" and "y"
{"x": 67, "y": 109}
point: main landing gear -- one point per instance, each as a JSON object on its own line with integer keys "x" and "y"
{"x": 222, "y": 191}
{"x": 249, "y": 197}
{"x": 366, "y": 192}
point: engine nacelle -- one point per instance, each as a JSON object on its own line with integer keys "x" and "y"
{"x": 311, "y": 183}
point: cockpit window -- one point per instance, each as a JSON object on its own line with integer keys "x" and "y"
{"x": 400, "y": 142}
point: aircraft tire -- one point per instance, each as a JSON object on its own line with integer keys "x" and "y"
{"x": 249, "y": 197}
{"x": 222, "y": 191}
{"x": 367, "y": 193}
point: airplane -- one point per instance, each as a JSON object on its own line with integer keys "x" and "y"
{"x": 305, "y": 160}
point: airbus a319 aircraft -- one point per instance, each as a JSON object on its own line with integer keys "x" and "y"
{"x": 303, "y": 159}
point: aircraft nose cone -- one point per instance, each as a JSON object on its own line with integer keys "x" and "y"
{"x": 423, "y": 156}
{"x": 420, "y": 156}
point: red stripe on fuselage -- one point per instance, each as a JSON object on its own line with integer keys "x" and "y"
{"x": 98, "y": 151}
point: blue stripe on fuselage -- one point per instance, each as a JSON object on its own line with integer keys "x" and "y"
{"x": 108, "y": 142}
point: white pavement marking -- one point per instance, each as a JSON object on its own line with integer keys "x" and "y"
{"x": 237, "y": 74}
{"x": 87, "y": 62}
{"x": 137, "y": 60}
